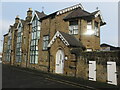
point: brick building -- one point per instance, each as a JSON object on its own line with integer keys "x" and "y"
{"x": 53, "y": 42}
{"x": 50, "y": 42}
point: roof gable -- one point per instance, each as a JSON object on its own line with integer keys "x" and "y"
{"x": 67, "y": 39}
{"x": 58, "y": 34}
{"x": 20, "y": 23}
{"x": 98, "y": 14}
{"x": 39, "y": 15}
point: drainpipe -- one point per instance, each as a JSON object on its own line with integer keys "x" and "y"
{"x": 48, "y": 59}
{"x": 80, "y": 30}
{"x": 49, "y": 48}
{"x": 27, "y": 47}
{"x": 76, "y": 65}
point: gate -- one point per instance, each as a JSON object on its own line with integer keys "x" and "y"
{"x": 92, "y": 70}
{"x": 111, "y": 73}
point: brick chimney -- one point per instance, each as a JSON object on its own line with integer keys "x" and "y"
{"x": 17, "y": 19}
{"x": 29, "y": 14}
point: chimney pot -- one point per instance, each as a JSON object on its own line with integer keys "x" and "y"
{"x": 30, "y": 9}
{"x": 17, "y": 19}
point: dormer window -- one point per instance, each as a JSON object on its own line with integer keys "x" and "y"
{"x": 73, "y": 27}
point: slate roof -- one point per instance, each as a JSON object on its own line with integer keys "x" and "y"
{"x": 72, "y": 40}
{"x": 40, "y": 14}
{"x": 5, "y": 34}
{"x": 77, "y": 14}
{"x": 93, "y": 13}
{"x": 22, "y": 21}
{"x": 111, "y": 47}
{"x": 65, "y": 10}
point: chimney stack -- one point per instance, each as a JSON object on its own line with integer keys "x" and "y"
{"x": 29, "y": 14}
{"x": 17, "y": 19}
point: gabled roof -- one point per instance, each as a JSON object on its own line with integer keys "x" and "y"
{"x": 95, "y": 12}
{"x": 98, "y": 13}
{"x": 20, "y": 22}
{"x": 40, "y": 14}
{"x": 68, "y": 40}
{"x": 5, "y": 34}
{"x": 11, "y": 27}
{"x": 59, "y": 12}
{"x": 15, "y": 25}
{"x": 70, "y": 8}
{"x": 77, "y": 14}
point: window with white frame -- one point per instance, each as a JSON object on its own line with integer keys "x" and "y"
{"x": 96, "y": 29}
{"x": 73, "y": 27}
{"x": 89, "y": 25}
{"x": 34, "y": 40}
{"x": 8, "y": 53}
{"x": 45, "y": 42}
{"x": 19, "y": 43}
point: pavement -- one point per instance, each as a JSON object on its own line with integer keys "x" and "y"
{"x": 17, "y": 77}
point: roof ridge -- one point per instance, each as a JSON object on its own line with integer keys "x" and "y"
{"x": 58, "y": 12}
{"x": 70, "y": 8}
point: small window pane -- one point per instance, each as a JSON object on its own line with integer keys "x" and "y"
{"x": 38, "y": 28}
{"x": 36, "y": 59}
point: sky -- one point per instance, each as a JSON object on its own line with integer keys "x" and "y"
{"x": 109, "y": 10}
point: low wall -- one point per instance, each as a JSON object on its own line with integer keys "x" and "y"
{"x": 101, "y": 59}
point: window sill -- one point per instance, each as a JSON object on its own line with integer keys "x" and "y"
{"x": 34, "y": 63}
{"x": 73, "y": 34}
{"x": 44, "y": 50}
{"x": 97, "y": 36}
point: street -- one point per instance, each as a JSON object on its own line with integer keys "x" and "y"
{"x": 16, "y": 78}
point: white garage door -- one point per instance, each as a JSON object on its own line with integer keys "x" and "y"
{"x": 92, "y": 70}
{"x": 111, "y": 73}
